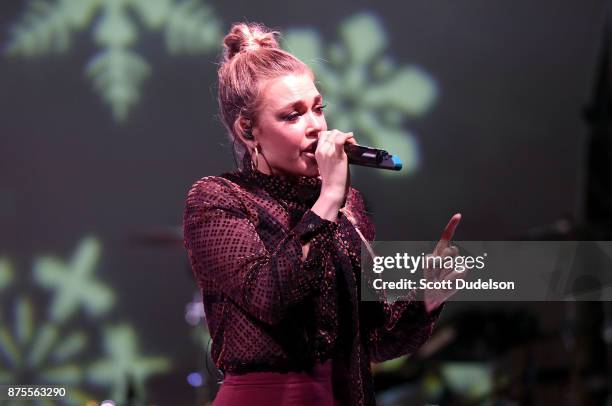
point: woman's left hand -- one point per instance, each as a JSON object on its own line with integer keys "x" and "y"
{"x": 435, "y": 297}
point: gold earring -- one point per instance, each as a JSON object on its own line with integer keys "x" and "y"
{"x": 254, "y": 164}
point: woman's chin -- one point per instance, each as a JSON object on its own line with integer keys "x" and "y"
{"x": 308, "y": 172}
{"x": 304, "y": 166}
{"x": 311, "y": 169}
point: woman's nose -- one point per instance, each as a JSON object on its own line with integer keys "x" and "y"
{"x": 315, "y": 122}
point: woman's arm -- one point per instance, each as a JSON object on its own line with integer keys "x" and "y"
{"x": 226, "y": 251}
{"x": 398, "y": 328}
{"x": 391, "y": 329}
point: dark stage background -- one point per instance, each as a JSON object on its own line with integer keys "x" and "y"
{"x": 498, "y": 135}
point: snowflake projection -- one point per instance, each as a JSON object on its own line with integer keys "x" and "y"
{"x": 365, "y": 90}
{"x": 55, "y": 350}
{"x": 123, "y": 364}
{"x": 189, "y": 27}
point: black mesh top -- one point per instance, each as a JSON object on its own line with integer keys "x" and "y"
{"x": 266, "y": 309}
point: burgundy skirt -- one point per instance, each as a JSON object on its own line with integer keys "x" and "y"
{"x": 275, "y": 388}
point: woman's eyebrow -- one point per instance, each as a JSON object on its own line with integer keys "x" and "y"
{"x": 298, "y": 103}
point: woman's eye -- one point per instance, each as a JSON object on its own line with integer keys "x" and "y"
{"x": 295, "y": 115}
{"x": 292, "y": 117}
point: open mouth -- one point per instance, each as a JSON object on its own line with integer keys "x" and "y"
{"x": 311, "y": 148}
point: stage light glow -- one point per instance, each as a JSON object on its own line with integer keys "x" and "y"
{"x": 195, "y": 379}
{"x": 473, "y": 379}
{"x": 194, "y": 310}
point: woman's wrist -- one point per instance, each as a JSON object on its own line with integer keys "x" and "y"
{"x": 328, "y": 204}
{"x": 335, "y": 194}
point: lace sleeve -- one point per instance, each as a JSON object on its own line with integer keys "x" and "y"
{"x": 392, "y": 329}
{"x": 228, "y": 255}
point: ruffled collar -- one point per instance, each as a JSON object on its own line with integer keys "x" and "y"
{"x": 295, "y": 189}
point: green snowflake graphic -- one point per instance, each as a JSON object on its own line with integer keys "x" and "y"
{"x": 123, "y": 364}
{"x": 189, "y": 27}
{"x": 53, "y": 351}
{"x": 366, "y": 92}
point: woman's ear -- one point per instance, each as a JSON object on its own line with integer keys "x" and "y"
{"x": 243, "y": 128}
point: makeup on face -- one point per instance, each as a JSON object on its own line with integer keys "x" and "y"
{"x": 289, "y": 123}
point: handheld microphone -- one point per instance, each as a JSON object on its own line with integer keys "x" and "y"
{"x": 372, "y": 157}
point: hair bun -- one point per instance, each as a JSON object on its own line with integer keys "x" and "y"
{"x": 248, "y": 37}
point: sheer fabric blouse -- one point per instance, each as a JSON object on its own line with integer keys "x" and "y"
{"x": 266, "y": 309}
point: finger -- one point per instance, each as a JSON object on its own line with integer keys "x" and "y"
{"x": 447, "y": 234}
{"x": 342, "y": 140}
{"x": 339, "y": 138}
{"x": 324, "y": 142}
{"x": 337, "y": 141}
{"x": 449, "y": 231}
{"x": 324, "y": 135}
{"x": 450, "y": 251}
{"x": 433, "y": 262}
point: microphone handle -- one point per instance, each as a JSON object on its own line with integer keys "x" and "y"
{"x": 372, "y": 157}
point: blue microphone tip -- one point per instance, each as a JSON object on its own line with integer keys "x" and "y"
{"x": 397, "y": 162}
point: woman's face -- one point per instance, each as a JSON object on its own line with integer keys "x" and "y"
{"x": 287, "y": 127}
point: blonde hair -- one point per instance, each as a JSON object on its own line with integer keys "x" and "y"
{"x": 251, "y": 55}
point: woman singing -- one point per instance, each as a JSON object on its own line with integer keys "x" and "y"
{"x": 275, "y": 246}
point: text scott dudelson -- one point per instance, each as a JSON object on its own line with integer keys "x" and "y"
{"x": 424, "y": 283}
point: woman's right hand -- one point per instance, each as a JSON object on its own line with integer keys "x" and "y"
{"x": 333, "y": 165}
{"x": 335, "y": 176}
